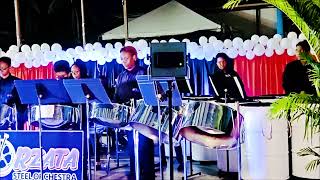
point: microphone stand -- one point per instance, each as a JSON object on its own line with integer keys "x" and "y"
{"x": 170, "y": 86}
{"x": 88, "y": 138}
{"x": 40, "y": 96}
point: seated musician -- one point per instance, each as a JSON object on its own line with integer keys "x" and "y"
{"x": 226, "y": 81}
{"x": 126, "y": 89}
{"x": 8, "y": 94}
{"x": 61, "y": 69}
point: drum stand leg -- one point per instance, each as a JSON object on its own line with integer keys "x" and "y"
{"x": 185, "y": 173}
{"x": 117, "y": 152}
{"x": 136, "y": 153}
{"x": 40, "y": 136}
{"x": 88, "y": 141}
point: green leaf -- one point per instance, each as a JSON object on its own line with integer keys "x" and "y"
{"x": 231, "y": 4}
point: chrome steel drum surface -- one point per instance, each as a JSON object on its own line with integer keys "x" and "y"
{"x": 145, "y": 120}
{"x": 55, "y": 116}
{"x": 208, "y": 117}
{"x": 208, "y": 123}
{"x": 6, "y": 116}
{"x": 115, "y": 115}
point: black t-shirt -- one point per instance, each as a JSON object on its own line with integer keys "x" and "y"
{"x": 296, "y": 78}
{"x": 127, "y": 86}
{"x": 8, "y": 94}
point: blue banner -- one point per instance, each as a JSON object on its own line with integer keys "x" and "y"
{"x": 62, "y": 155}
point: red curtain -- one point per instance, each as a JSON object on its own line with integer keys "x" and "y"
{"x": 262, "y": 75}
{"x": 42, "y": 72}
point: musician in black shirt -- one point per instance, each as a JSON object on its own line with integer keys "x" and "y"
{"x": 226, "y": 81}
{"x": 126, "y": 89}
{"x": 295, "y": 75}
{"x": 8, "y": 94}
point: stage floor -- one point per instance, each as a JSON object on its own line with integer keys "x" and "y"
{"x": 208, "y": 170}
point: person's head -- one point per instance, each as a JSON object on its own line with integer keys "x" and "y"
{"x": 5, "y": 64}
{"x": 78, "y": 70}
{"x": 128, "y": 56}
{"x": 61, "y": 69}
{"x": 222, "y": 61}
{"x": 302, "y": 46}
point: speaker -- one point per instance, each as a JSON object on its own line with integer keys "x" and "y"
{"x": 168, "y": 59}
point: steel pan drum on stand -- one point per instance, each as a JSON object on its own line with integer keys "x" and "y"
{"x": 6, "y": 116}
{"x": 114, "y": 116}
{"x": 145, "y": 120}
{"x": 55, "y": 116}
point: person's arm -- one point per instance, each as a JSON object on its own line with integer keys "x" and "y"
{"x": 287, "y": 78}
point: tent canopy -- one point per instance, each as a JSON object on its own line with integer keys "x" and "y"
{"x": 170, "y": 19}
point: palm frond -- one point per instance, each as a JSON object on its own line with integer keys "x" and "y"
{"x": 312, "y": 165}
{"x": 307, "y": 152}
{"x": 231, "y": 4}
{"x": 316, "y": 2}
{"x": 309, "y": 29}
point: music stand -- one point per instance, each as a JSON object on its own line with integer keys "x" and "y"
{"x": 37, "y": 92}
{"x": 85, "y": 91}
{"x": 149, "y": 88}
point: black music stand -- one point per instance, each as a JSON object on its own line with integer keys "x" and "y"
{"x": 41, "y": 92}
{"x": 85, "y": 91}
{"x": 149, "y": 88}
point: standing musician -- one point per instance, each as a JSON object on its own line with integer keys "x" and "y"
{"x": 8, "y": 94}
{"x": 126, "y": 89}
{"x": 226, "y": 81}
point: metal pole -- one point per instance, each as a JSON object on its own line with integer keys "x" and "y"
{"x": 83, "y": 24}
{"x": 170, "y": 85}
{"x": 125, "y": 20}
{"x": 17, "y": 18}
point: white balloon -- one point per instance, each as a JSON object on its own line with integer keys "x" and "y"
{"x": 71, "y": 52}
{"x": 248, "y": 45}
{"x": 302, "y": 36}
{"x": 128, "y": 43}
{"x": 10, "y": 53}
{"x": 97, "y": 46}
{"x": 186, "y": 40}
{"x": 232, "y": 53}
{"x": 20, "y": 57}
{"x": 25, "y": 48}
{"x": 279, "y": 51}
{"x": 88, "y": 47}
{"x": 269, "y": 52}
{"x": 258, "y": 50}
{"x": 242, "y": 52}
{"x": 285, "y": 43}
{"x": 15, "y": 63}
{"x": 142, "y": 43}
{"x": 119, "y": 61}
{"x": 255, "y": 39}
{"x": 101, "y": 61}
{"x": 277, "y": 37}
{"x": 218, "y": 45}
{"x": 227, "y": 43}
{"x": 291, "y": 52}
{"x": 212, "y": 39}
{"x": 141, "y": 54}
{"x": 49, "y": 56}
{"x": 109, "y": 59}
{"x": 28, "y": 64}
{"x": 28, "y": 56}
{"x": 155, "y": 41}
{"x": 45, "y": 47}
{"x": 208, "y": 50}
{"x": 294, "y": 43}
{"x": 118, "y": 45}
{"x": 163, "y": 41}
{"x": 35, "y": 48}
{"x": 173, "y": 40}
{"x": 79, "y": 49}
{"x": 250, "y": 55}
{"x": 292, "y": 35}
{"x": 263, "y": 40}
{"x": 36, "y": 63}
{"x": 14, "y": 48}
{"x": 200, "y": 53}
{"x": 56, "y": 47}
{"x": 237, "y": 43}
{"x": 44, "y": 62}
{"x": 203, "y": 40}
{"x": 272, "y": 44}
{"x": 109, "y": 46}
{"x": 146, "y": 61}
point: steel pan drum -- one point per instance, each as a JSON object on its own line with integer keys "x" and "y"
{"x": 55, "y": 116}
{"x": 6, "y": 116}
{"x": 145, "y": 120}
{"x": 115, "y": 115}
{"x": 205, "y": 122}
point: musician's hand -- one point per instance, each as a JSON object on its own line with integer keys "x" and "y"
{"x": 159, "y": 96}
